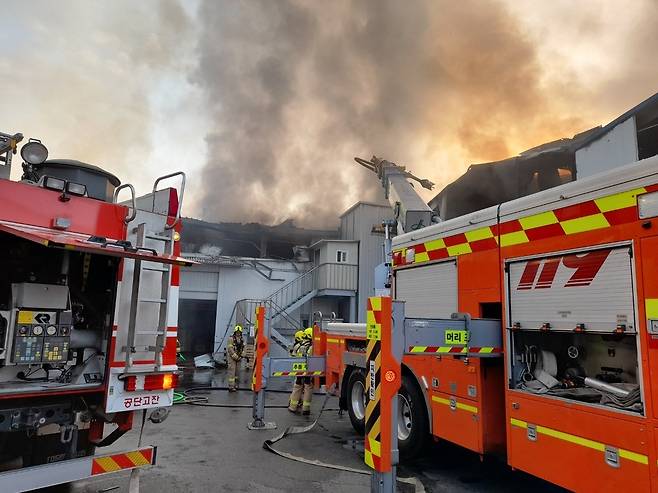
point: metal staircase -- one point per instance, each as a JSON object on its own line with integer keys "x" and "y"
{"x": 291, "y": 296}
{"x": 294, "y": 294}
{"x": 243, "y": 314}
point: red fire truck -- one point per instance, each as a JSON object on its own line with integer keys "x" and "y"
{"x": 88, "y": 315}
{"x": 531, "y": 330}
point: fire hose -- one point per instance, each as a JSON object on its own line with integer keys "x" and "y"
{"x": 297, "y": 430}
{"x": 187, "y": 397}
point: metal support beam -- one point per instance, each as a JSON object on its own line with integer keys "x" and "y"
{"x": 259, "y": 378}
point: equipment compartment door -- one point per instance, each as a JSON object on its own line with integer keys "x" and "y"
{"x": 592, "y": 287}
{"x": 457, "y": 420}
{"x": 429, "y": 291}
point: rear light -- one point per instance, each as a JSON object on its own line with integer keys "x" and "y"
{"x": 162, "y": 381}
{"x": 545, "y": 326}
{"x": 158, "y": 381}
{"x": 579, "y": 328}
{"x": 130, "y": 383}
{"x": 173, "y": 202}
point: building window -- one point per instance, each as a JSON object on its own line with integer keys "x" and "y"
{"x": 341, "y": 256}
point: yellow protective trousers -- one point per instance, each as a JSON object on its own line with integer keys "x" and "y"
{"x": 233, "y": 367}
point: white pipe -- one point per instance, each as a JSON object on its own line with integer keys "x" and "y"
{"x": 346, "y": 328}
{"x": 605, "y": 387}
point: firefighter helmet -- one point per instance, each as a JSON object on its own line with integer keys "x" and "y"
{"x": 238, "y": 328}
{"x": 299, "y": 335}
{"x": 308, "y": 333}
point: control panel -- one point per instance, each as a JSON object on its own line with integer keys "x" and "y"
{"x": 41, "y": 336}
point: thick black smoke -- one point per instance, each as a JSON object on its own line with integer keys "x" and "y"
{"x": 296, "y": 89}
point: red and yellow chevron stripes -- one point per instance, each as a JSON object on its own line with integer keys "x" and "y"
{"x": 454, "y": 349}
{"x": 373, "y": 452}
{"x": 127, "y": 460}
{"x": 604, "y": 212}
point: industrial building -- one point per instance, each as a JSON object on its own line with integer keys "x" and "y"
{"x": 303, "y": 272}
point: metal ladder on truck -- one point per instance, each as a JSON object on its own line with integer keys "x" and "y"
{"x": 150, "y": 339}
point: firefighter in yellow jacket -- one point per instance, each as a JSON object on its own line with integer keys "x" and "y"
{"x": 303, "y": 387}
{"x": 298, "y": 350}
{"x": 234, "y": 349}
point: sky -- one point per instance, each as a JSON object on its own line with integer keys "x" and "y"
{"x": 265, "y": 103}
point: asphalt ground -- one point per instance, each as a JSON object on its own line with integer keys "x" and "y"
{"x": 210, "y": 449}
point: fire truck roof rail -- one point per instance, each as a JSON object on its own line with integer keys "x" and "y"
{"x": 180, "y": 199}
{"x": 132, "y": 215}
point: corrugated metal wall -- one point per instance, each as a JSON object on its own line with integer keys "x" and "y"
{"x": 198, "y": 284}
{"x": 357, "y": 224}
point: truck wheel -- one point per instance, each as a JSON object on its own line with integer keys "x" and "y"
{"x": 413, "y": 428}
{"x": 356, "y": 400}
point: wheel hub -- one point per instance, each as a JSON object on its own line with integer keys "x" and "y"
{"x": 405, "y": 422}
{"x": 358, "y": 399}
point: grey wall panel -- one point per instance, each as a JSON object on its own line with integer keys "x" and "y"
{"x": 357, "y": 224}
{"x": 614, "y": 149}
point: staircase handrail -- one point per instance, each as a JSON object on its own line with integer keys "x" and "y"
{"x": 277, "y": 311}
{"x": 286, "y": 287}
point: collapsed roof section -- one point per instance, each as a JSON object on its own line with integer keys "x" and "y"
{"x": 630, "y": 137}
{"x": 248, "y": 240}
{"x": 487, "y": 184}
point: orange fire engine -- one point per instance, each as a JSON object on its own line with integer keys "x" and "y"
{"x": 88, "y": 315}
{"x": 531, "y": 330}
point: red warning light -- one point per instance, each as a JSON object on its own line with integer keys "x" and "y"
{"x": 389, "y": 376}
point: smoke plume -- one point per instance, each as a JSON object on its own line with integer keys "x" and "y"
{"x": 296, "y": 89}
{"x": 265, "y": 103}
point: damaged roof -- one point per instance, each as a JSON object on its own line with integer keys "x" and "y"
{"x": 248, "y": 240}
{"x": 483, "y": 185}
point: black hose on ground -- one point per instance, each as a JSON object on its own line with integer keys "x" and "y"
{"x": 295, "y": 430}
{"x": 186, "y": 397}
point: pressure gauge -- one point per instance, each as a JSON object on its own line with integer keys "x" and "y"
{"x": 51, "y": 330}
{"x": 37, "y": 330}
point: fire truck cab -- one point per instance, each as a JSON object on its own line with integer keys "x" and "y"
{"x": 88, "y": 316}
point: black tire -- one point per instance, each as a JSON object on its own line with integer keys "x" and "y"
{"x": 356, "y": 383}
{"x": 413, "y": 417}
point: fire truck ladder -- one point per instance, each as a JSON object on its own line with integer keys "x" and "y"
{"x": 137, "y": 300}
{"x": 156, "y": 338}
